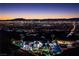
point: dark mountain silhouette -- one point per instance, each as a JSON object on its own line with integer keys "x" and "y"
{"x": 22, "y": 19}
{"x": 74, "y": 19}
{"x": 19, "y": 19}
{"x": 70, "y": 19}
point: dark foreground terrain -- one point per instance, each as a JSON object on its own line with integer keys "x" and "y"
{"x": 71, "y": 52}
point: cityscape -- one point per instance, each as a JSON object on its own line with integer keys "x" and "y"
{"x": 29, "y": 29}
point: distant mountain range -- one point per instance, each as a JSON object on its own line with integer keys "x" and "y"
{"x": 22, "y": 19}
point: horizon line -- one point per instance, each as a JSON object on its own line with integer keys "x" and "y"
{"x": 37, "y": 19}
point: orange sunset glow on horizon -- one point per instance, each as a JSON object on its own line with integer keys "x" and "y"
{"x": 36, "y": 17}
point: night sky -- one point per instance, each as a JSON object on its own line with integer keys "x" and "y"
{"x": 39, "y": 10}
